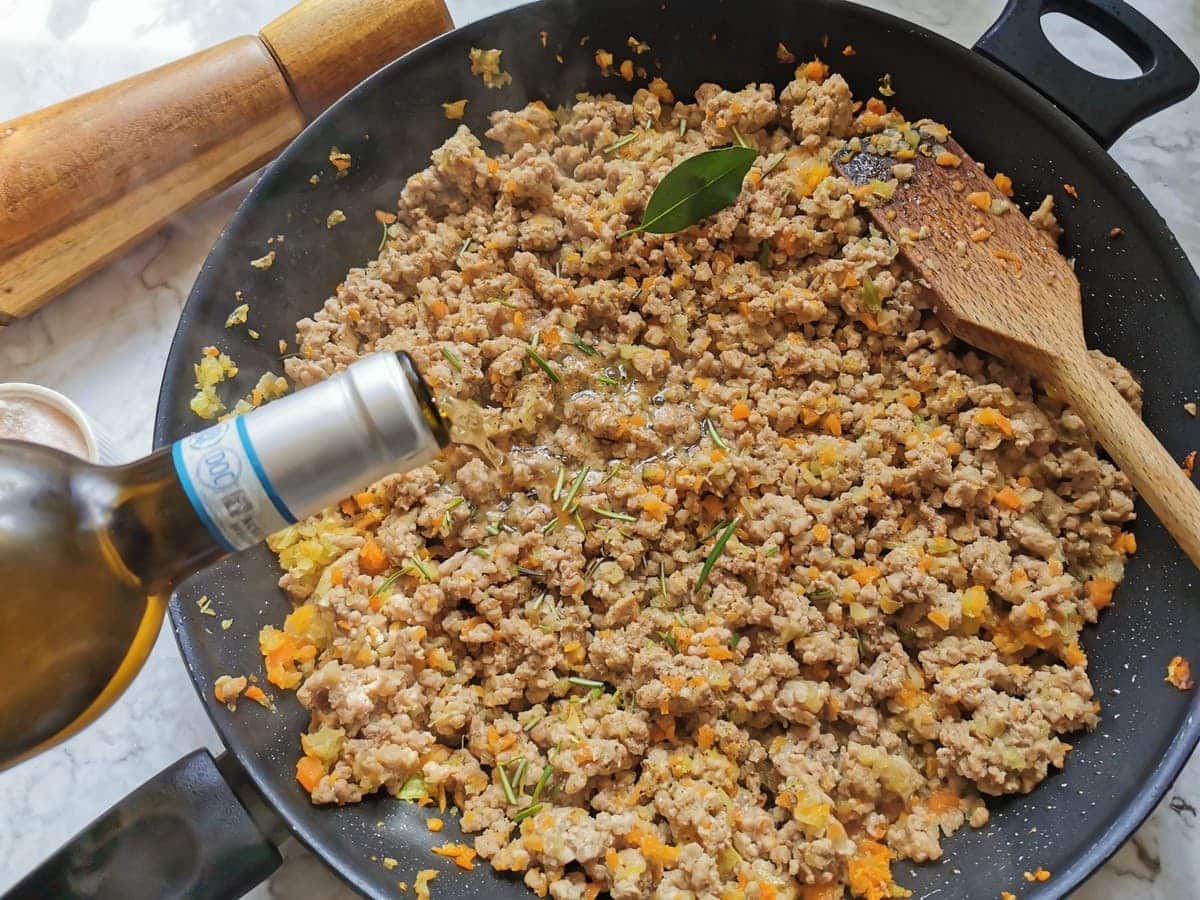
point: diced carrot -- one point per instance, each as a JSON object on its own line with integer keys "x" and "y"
{"x": 740, "y": 411}
{"x": 439, "y": 309}
{"x": 255, "y": 693}
{"x": 655, "y": 508}
{"x": 866, "y": 575}
{"x": 705, "y": 737}
{"x": 309, "y": 772}
{"x": 820, "y": 532}
{"x": 462, "y": 855}
{"x": 942, "y": 802}
{"x": 1125, "y": 543}
{"x": 719, "y": 653}
{"x": 938, "y": 618}
{"x": 979, "y": 235}
{"x": 946, "y": 158}
{"x": 1073, "y": 655}
{"x": 814, "y": 70}
{"x": 626, "y": 69}
{"x": 1100, "y": 592}
{"x": 980, "y": 199}
{"x": 371, "y": 558}
{"x": 1009, "y": 256}
{"x": 1003, "y": 184}
{"x": 1010, "y": 498}
{"x": 347, "y": 506}
{"x": 832, "y": 424}
{"x": 876, "y": 106}
{"x": 660, "y": 89}
{"x": 996, "y": 419}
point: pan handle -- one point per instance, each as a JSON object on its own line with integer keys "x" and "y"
{"x": 1105, "y": 107}
{"x": 184, "y": 833}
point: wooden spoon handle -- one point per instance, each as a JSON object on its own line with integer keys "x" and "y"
{"x": 1134, "y": 448}
{"x": 83, "y": 180}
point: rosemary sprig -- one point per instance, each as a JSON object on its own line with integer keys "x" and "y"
{"x": 452, "y": 358}
{"x": 662, "y": 580}
{"x": 420, "y": 567}
{"x": 383, "y": 239}
{"x": 543, "y": 365}
{"x": 583, "y": 345}
{"x": 482, "y": 552}
{"x": 585, "y": 682}
{"x": 519, "y": 776}
{"x": 532, "y": 573}
{"x": 613, "y": 514}
{"x": 715, "y": 435}
{"x": 623, "y": 142}
{"x": 669, "y": 640}
{"x": 509, "y": 794}
{"x": 387, "y": 583}
{"x": 532, "y": 810}
{"x": 463, "y": 249}
{"x": 821, "y": 594}
{"x": 611, "y": 474}
{"x": 715, "y": 552}
{"x": 547, "y": 774}
{"x": 683, "y": 126}
{"x": 737, "y": 136}
{"x": 558, "y": 484}
{"x": 573, "y": 492}
{"x": 606, "y": 379}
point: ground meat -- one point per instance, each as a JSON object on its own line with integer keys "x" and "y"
{"x": 728, "y": 580}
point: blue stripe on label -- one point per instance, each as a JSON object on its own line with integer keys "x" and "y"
{"x": 186, "y": 480}
{"x": 256, "y": 464}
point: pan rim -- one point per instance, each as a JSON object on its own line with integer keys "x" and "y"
{"x": 1134, "y": 205}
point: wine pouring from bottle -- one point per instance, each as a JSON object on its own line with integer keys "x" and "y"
{"x": 90, "y": 554}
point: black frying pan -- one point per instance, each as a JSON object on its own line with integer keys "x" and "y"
{"x": 186, "y": 833}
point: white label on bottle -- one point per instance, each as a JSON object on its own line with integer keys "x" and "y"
{"x": 224, "y": 479}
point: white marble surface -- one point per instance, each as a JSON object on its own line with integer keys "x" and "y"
{"x": 104, "y": 344}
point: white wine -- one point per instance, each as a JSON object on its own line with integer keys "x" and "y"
{"x": 89, "y": 554}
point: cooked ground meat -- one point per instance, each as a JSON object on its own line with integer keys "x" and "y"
{"x": 768, "y": 585}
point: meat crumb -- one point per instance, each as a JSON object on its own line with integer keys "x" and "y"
{"x": 1179, "y": 674}
{"x": 227, "y": 688}
{"x": 783, "y": 54}
{"x": 265, "y": 261}
{"x": 337, "y": 217}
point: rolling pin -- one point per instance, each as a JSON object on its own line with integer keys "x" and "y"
{"x": 84, "y": 180}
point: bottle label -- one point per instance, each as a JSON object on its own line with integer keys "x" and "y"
{"x": 224, "y": 479}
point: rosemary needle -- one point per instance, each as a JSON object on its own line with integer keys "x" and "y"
{"x": 715, "y": 552}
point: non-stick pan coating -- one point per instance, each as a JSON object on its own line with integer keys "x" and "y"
{"x": 1140, "y": 298}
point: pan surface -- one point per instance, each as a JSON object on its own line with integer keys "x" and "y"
{"x": 1141, "y": 304}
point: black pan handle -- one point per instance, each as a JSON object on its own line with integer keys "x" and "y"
{"x": 183, "y": 833}
{"x": 1105, "y": 107}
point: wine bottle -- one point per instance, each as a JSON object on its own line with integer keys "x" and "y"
{"x": 89, "y": 554}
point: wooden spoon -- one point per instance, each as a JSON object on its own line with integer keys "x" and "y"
{"x": 1001, "y": 284}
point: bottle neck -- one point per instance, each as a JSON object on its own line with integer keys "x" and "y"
{"x": 254, "y": 475}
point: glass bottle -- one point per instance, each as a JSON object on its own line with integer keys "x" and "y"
{"x": 89, "y": 554}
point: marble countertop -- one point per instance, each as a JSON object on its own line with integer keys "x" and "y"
{"x": 104, "y": 344}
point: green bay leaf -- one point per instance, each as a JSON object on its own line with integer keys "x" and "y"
{"x": 695, "y": 189}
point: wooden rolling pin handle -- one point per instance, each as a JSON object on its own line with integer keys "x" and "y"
{"x": 85, "y": 179}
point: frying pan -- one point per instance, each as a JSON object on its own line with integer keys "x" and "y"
{"x": 207, "y": 829}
